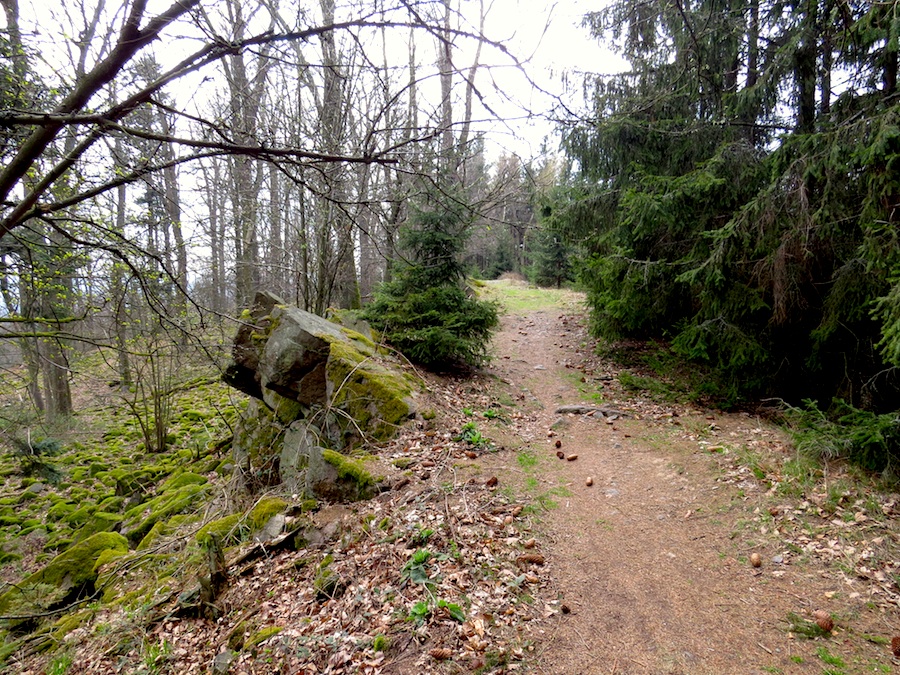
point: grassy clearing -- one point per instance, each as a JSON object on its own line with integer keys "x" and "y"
{"x": 518, "y": 297}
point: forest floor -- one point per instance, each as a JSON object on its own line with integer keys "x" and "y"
{"x": 639, "y": 534}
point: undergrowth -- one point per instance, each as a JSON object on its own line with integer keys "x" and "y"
{"x": 864, "y": 438}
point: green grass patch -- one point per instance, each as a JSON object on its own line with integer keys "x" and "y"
{"x": 521, "y": 298}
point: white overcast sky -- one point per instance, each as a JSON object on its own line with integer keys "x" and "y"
{"x": 549, "y": 38}
{"x": 559, "y": 49}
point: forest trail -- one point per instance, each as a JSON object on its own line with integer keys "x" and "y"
{"x": 652, "y": 560}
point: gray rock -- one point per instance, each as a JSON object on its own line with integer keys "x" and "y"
{"x": 293, "y": 360}
{"x": 299, "y": 440}
{"x": 36, "y": 488}
{"x": 222, "y": 663}
{"x": 273, "y": 528}
{"x": 241, "y": 373}
{"x": 585, "y": 409}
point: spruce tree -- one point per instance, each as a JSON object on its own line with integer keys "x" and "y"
{"x": 727, "y": 200}
{"x": 424, "y": 311}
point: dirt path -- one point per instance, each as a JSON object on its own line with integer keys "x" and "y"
{"x": 651, "y": 560}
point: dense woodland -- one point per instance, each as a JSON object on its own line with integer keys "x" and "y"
{"x": 732, "y": 194}
{"x": 736, "y": 193}
{"x": 160, "y": 168}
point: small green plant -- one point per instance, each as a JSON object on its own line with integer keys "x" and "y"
{"x": 468, "y": 412}
{"x": 59, "y": 665}
{"x": 380, "y": 643}
{"x": 419, "y": 613}
{"x": 155, "y": 655}
{"x": 470, "y": 434}
{"x": 455, "y": 611}
{"x": 421, "y": 536}
{"x": 492, "y": 414}
{"x": 416, "y": 568}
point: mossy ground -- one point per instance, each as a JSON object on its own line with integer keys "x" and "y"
{"x": 103, "y": 478}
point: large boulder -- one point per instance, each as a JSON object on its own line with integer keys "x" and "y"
{"x": 322, "y": 384}
{"x": 299, "y": 363}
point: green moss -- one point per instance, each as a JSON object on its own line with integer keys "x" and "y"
{"x": 264, "y": 509}
{"x": 182, "y": 480}
{"x": 380, "y": 643}
{"x": 227, "y": 530}
{"x": 403, "y": 462}
{"x": 137, "y": 524}
{"x": 373, "y": 396}
{"x": 69, "y": 572}
{"x": 428, "y": 414}
{"x": 364, "y": 344}
{"x": 235, "y": 640}
{"x": 107, "y": 557}
{"x": 98, "y": 522}
{"x": 348, "y": 468}
{"x": 7, "y": 557}
{"x": 158, "y": 530}
{"x": 66, "y": 624}
{"x": 261, "y": 636}
{"x": 111, "y": 504}
{"x": 97, "y": 468}
{"x": 80, "y": 515}
{"x": 286, "y": 410}
{"x": 58, "y": 543}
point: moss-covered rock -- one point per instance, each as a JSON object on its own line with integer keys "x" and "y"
{"x": 229, "y": 530}
{"x": 140, "y": 519}
{"x": 98, "y": 522}
{"x": 261, "y": 636}
{"x": 69, "y": 575}
{"x": 81, "y": 515}
{"x": 376, "y": 398}
{"x": 258, "y": 440}
{"x": 66, "y": 624}
{"x": 181, "y": 480}
{"x": 264, "y": 509}
{"x": 339, "y": 478}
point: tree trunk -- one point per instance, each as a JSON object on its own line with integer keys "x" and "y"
{"x": 120, "y": 316}
{"x": 445, "y": 68}
{"x": 805, "y": 70}
{"x": 340, "y": 286}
